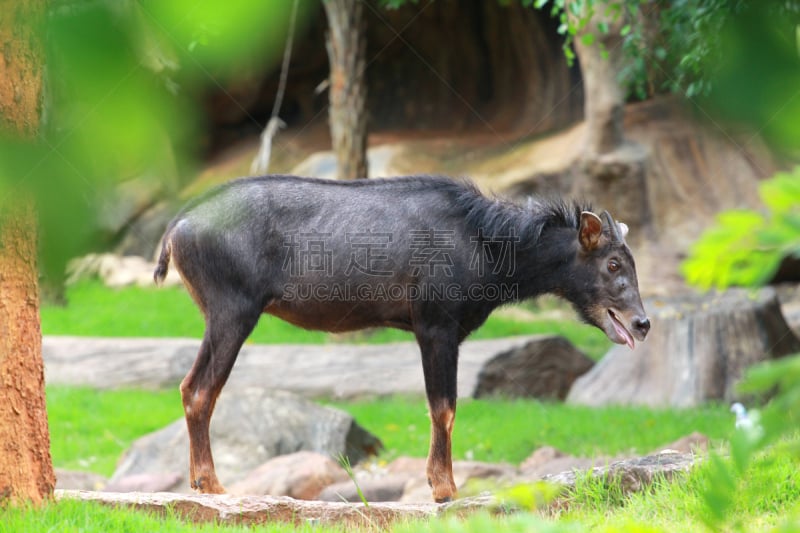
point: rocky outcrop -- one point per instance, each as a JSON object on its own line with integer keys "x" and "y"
{"x": 697, "y": 351}
{"x": 334, "y": 370}
{"x": 249, "y": 427}
{"x": 543, "y": 368}
{"x": 255, "y": 510}
{"x": 631, "y": 475}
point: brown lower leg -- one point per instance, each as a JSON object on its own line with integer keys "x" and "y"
{"x": 440, "y": 461}
{"x": 198, "y": 406}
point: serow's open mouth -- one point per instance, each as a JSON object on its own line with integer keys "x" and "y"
{"x": 625, "y": 336}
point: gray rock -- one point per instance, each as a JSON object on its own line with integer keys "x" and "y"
{"x": 697, "y": 350}
{"x": 548, "y": 461}
{"x": 465, "y": 473}
{"x": 142, "y": 235}
{"x": 246, "y": 511}
{"x": 388, "y": 488}
{"x": 633, "y": 475}
{"x": 118, "y": 271}
{"x": 300, "y": 475}
{"x": 147, "y": 482}
{"x": 79, "y": 480}
{"x": 543, "y": 368}
{"x": 692, "y": 443}
{"x": 319, "y": 371}
{"x": 249, "y": 427}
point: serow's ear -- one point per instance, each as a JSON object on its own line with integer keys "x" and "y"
{"x": 623, "y": 229}
{"x": 590, "y": 231}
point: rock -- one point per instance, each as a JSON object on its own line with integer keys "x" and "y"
{"x": 408, "y": 465}
{"x": 697, "y": 351}
{"x": 404, "y": 480}
{"x": 249, "y": 427}
{"x": 142, "y": 236}
{"x": 78, "y": 480}
{"x": 634, "y": 475}
{"x": 789, "y": 297}
{"x": 543, "y": 368}
{"x": 692, "y": 443}
{"x": 319, "y": 371}
{"x": 246, "y": 511}
{"x": 149, "y": 482}
{"x": 323, "y": 164}
{"x": 388, "y": 488}
{"x": 118, "y": 271}
{"x": 300, "y": 475}
{"x": 464, "y": 472}
{"x": 128, "y": 200}
{"x": 547, "y": 461}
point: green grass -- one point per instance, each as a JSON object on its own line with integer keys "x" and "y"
{"x": 768, "y": 493}
{"x": 509, "y": 430}
{"x": 89, "y": 517}
{"x": 89, "y": 429}
{"x": 95, "y": 310}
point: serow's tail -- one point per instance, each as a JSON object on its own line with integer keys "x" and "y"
{"x": 163, "y": 262}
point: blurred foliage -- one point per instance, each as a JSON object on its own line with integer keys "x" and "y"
{"x": 123, "y": 80}
{"x": 747, "y": 247}
{"x": 712, "y": 50}
{"x": 776, "y": 429}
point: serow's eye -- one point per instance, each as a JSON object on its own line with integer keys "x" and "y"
{"x": 613, "y": 265}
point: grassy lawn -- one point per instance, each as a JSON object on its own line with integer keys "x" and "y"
{"x": 89, "y": 429}
{"x": 95, "y": 310}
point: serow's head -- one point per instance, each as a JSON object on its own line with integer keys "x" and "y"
{"x": 606, "y": 290}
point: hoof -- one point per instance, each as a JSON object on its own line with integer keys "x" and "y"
{"x": 203, "y": 486}
{"x": 446, "y": 499}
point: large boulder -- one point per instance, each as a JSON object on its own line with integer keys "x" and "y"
{"x": 543, "y": 368}
{"x": 697, "y": 351}
{"x": 249, "y": 427}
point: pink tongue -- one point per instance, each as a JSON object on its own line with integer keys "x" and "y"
{"x": 622, "y": 332}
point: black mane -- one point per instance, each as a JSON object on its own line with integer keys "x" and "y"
{"x": 497, "y": 217}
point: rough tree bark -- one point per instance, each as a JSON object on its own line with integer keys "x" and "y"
{"x": 347, "y": 49}
{"x": 26, "y": 469}
{"x": 614, "y": 170}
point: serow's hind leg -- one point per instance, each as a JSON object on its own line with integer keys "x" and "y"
{"x": 200, "y": 388}
{"x": 440, "y": 365}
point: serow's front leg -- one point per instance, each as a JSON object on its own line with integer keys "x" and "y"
{"x": 439, "y": 348}
{"x": 440, "y": 459}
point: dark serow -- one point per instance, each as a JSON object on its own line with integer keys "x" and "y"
{"x": 425, "y": 254}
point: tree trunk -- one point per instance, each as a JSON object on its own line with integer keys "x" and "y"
{"x": 697, "y": 351}
{"x": 613, "y": 171}
{"x": 346, "y": 44}
{"x": 26, "y": 469}
{"x": 601, "y": 61}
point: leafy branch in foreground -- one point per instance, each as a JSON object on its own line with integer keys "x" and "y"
{"x": 746, "y": 247}
{"x": 777, "y": 429}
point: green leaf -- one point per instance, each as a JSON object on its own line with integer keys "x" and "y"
{"x": 587, "y": 39}
{"x": 626, "y": 29}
